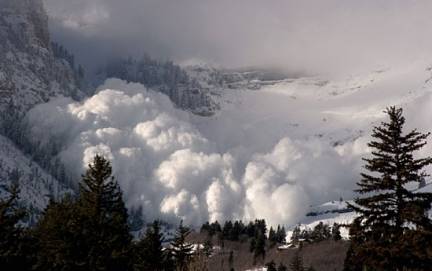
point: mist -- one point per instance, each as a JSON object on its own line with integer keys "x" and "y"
{"x": 314, "y": 36}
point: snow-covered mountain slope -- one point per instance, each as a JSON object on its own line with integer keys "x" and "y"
{"x": 334, "y": 110}
{"x": 36, "y": 185}
{"x": 29, "y": 71}
{"x": 336, "y": 211}
{"x": 328, "y": 213}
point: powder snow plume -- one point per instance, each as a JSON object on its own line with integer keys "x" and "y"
{"x": 165, "y": 165}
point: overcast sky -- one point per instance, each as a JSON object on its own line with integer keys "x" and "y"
{"x": 317, "y": 36}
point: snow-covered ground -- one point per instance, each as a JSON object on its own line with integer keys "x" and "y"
{"x": 332, "y": 109}
{"x": 327, "y": 213}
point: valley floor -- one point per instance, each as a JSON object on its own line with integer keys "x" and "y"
{"x": 323, "y": 256}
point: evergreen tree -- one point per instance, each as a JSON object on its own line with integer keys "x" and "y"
{"x": 296, "y": 263}
{"x": 306, "y": 235}
{"x": 393, "y": 224}
{"x": 215, "y": 228}
{"x": 320, "y": 232}
{"x": 208, "y": 248}
{"x": 206, "y": 228}
{"x": 281, "y": 234}
{"x": 250, "y": 229}
{"x": 272, "y": 237}
{"x": 295, "y": 236}
{"x": 105, "y": 218}
{"x": 90, "y": 233}
{"x": 237, "y": 229}
{"x": 260, "y": 227}
{"x": 61, "y": 244}
{"x": 148, "y": 251}
{"x": 227, "y": 230}
{"x": 181, "y": 251}
{"x": 259, "y": 247}
{"x": 335, "y": 232}
{"x": 12, "y": 249}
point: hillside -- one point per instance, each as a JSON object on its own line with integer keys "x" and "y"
{"x": 37, "y": 187}
{"x": 30, "y": 73}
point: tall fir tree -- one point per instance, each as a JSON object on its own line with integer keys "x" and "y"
{"x": 89, "y": 233}
{"x": 393, "y": 226}
{"x": 104, "y": 217}
{"x": 181, "y": 250}
{"x": 60, "y": 244}
{"x": 148, "y": 252}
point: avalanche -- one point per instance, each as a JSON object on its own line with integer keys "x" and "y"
{"x": 268, "y": 153}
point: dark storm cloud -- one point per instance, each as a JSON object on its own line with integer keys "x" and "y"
{"x": 318, "y": 36}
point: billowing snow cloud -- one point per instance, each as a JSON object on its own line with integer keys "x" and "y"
{"x": 165, "y": 165}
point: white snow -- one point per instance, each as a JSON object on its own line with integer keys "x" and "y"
{"x": 36, "y": 186}
{"x": 269, "y": 153}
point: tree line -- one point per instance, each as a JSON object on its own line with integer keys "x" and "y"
{"x": 90, "y": 231}
{"x": 86, "y": 232}
{"x": 320, "y": 232}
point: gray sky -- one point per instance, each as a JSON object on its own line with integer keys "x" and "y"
{"x": 317, "y": 36}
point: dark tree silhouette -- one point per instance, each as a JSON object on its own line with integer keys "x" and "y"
{"x": 149, "y": 253}
{"x": 13, "y": 245}
{"x": 393, "y": 224}
{"x": 180, "y": 249}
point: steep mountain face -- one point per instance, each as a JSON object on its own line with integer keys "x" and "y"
{"x": 29, "y": 71}
{"x": 198, "y": 89}
{"x": 165, "y": 77}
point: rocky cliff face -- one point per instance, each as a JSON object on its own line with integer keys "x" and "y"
{"x": 165, "y": 77}
{"x": 29, "y": 71}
